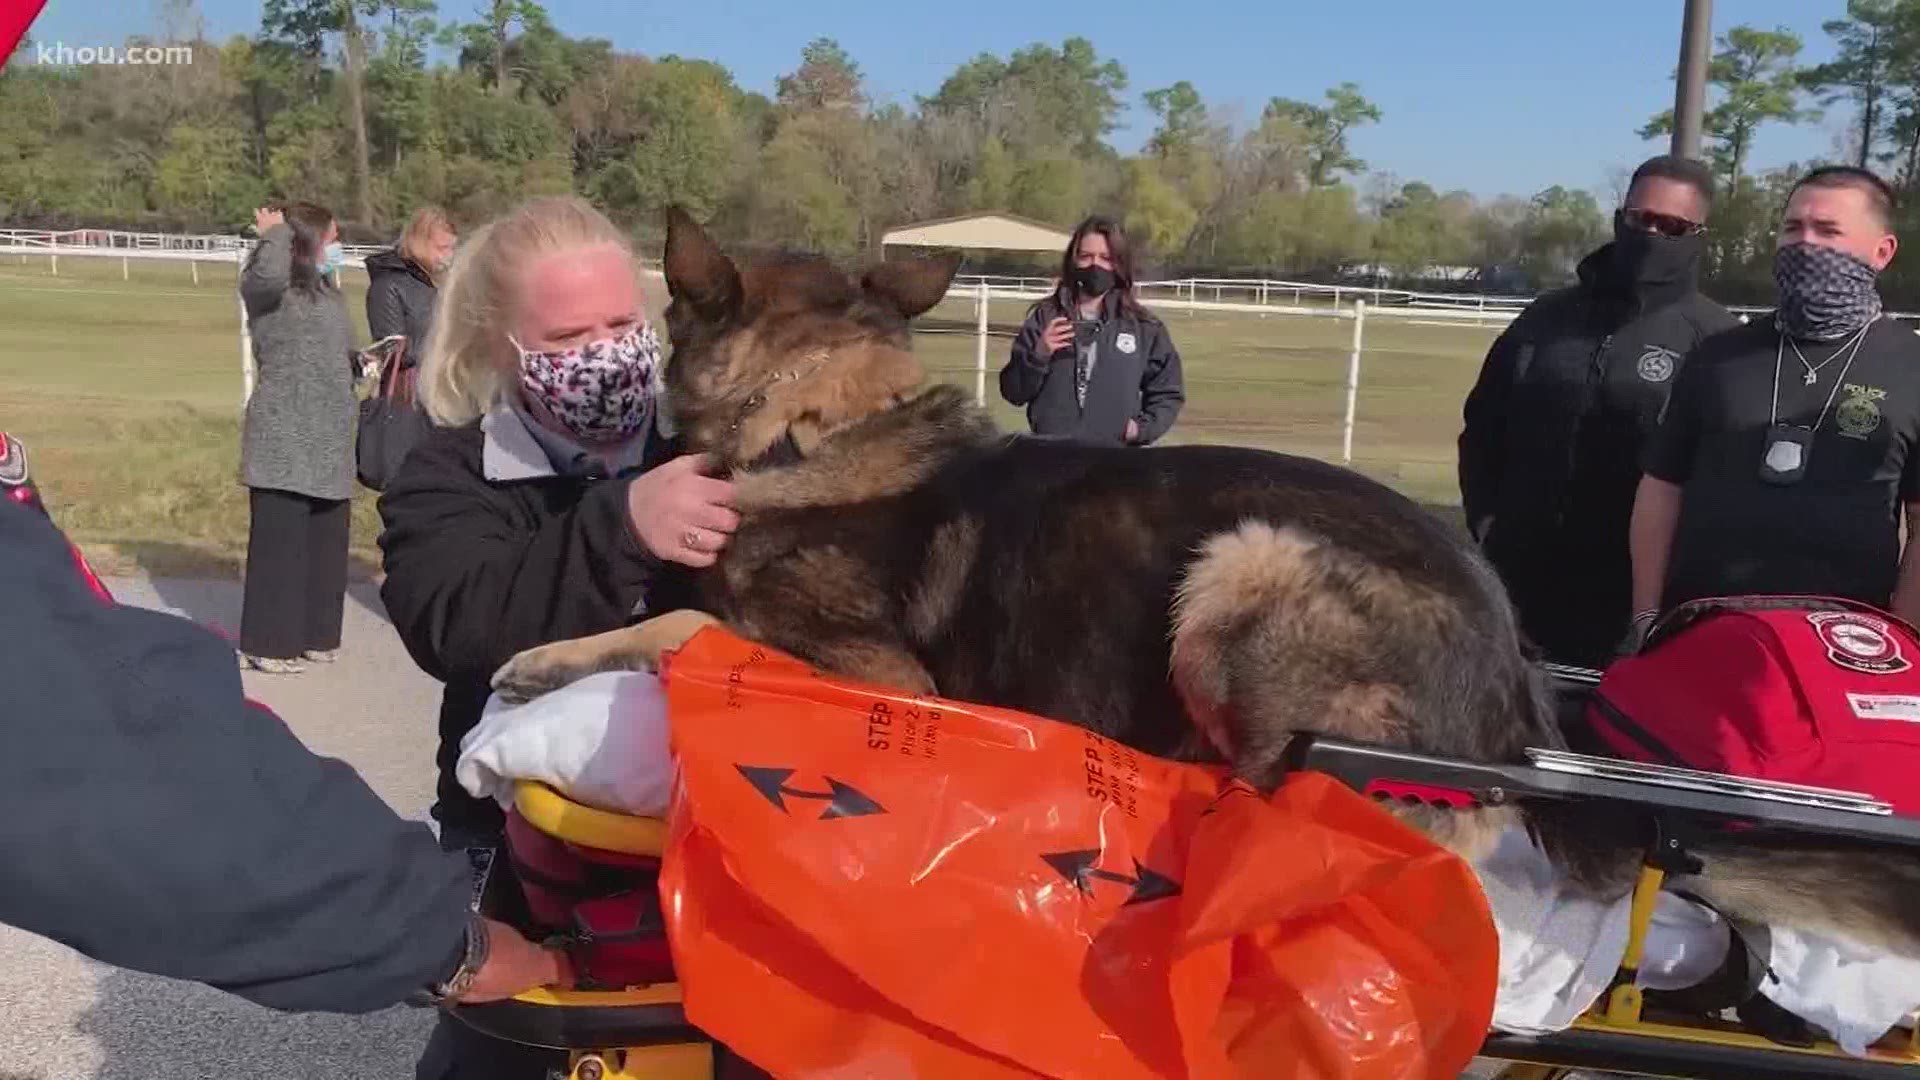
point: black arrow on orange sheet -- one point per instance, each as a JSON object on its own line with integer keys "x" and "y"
{"x": 1078, "y": 867}
{"x": 843, "y": 801}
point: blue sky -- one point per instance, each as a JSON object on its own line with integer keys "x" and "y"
{"x": 1494, "y": 96}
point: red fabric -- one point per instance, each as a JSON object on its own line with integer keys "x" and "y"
{"x": 1770, "y": 689}
{"x": 609, "y": 902}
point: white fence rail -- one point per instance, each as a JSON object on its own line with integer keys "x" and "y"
{"x": 1261, "y": 296}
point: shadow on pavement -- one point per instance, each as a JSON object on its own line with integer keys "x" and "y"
{"x": 156, "y": 1029}
{"x": 207, "y": 588}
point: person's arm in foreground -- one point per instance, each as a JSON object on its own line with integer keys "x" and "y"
{"x": 154, "y": 819}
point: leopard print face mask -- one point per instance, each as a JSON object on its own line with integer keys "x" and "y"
{"x": 603, "y": 391}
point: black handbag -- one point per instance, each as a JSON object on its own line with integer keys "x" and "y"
{"x": 391, "y": 421}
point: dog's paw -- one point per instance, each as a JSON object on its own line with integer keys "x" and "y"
{"x": 534, "y": 672}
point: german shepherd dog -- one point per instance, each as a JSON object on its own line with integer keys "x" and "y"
{"x": 1193, "y": 602}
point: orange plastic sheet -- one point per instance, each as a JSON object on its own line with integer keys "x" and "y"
{"x": 861, "y": 883}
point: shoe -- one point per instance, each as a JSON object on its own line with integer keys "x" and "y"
{"x": 272, "y": 665}
{"x": 322, "y": 656}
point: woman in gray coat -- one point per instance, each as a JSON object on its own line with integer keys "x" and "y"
{"x": 296, "y": 444}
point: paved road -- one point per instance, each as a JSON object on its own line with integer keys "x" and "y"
{"x": 62, "y": 1017}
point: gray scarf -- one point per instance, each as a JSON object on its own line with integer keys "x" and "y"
{"x": 1825, "y": 293}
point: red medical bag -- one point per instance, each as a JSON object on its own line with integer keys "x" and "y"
{"x": 1801, "y": 690}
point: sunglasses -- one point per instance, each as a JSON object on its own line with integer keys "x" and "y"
{"x": 1665, "y": 224}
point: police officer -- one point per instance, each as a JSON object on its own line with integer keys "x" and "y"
{"x": 1789, "y": 446}
{"x": 158, "y": 821}
{"x": 1553, "y": 427}
{"x": 1091, "y": 362}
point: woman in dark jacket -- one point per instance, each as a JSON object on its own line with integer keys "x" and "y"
{"x": 548, "y": 503}
{"x": 402, "y": 283}
{"x": 1091, "y": 363}
{"x": 296, "y": 441}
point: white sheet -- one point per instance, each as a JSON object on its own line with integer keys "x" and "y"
{"x": 1856, "y": 993}
{"x": 602, "y": 741}
{"x": 1559, "y": 950}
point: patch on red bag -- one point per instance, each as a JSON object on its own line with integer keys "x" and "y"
{"x": 1859, "y": 642}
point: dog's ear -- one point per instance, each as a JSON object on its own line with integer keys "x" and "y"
{"x": 911, "y": 286}
{"x": 697, "y": 270}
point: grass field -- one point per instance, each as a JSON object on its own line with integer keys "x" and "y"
{"x": 127, "y": 393}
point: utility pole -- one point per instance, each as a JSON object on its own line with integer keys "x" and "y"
{"x": 1690, "y": 87}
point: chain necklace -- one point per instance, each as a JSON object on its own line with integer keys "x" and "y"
{"x": 1813, "y": 370}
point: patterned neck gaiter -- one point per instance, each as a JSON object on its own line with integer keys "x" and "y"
{"x": 603, "y": 391}
{"x": 1825, "y": 293}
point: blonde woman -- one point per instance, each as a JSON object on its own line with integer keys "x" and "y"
{"x": 403, "y": 282}
{"x": 546, "y": 503}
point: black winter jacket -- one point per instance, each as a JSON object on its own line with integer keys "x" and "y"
{"x": 1550, "y": 451}
{"x": 154, "y": 819}
{"x": 479, "y": 570}
{"x": 400, "y": 299}
{"x": 1136, "y": 376}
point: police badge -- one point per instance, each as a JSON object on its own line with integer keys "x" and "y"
{"x": 1787, "y": 450}
{"x": 1858, "y": 414}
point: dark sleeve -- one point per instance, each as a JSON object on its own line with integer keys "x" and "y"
{"x": 469, "y": 584}
{"x": 385, "y": 313}
{"x": 1669, "y": 451}
{"x": 154, "y": 819}
{"x": 1026, "y": 370}
{"x": 1483, "y": 433}
{"x": 1163, "y": 390}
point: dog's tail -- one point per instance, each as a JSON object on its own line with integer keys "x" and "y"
{"x": 1278, "y": 631}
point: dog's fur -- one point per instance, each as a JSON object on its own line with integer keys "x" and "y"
{"x": 1197, "y": 602}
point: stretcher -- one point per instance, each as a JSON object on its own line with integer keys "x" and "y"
{"x": 641, "y": 1033}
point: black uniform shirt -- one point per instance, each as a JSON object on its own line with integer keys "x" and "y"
{"x": 1837, "y": 531}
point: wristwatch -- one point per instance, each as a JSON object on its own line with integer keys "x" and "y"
{"x": 473, "y": 957}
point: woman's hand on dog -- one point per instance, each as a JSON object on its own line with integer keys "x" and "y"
{"x": 1058, "y": 335}
{"x": 680, "y": 514}
{"x": 515, "y": 965}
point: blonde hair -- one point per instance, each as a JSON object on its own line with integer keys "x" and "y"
{"x": 419, "y": 232}
{"x": 460, "y": 377}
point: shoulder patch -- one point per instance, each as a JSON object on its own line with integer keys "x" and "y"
{"x": 1657, "y": 363}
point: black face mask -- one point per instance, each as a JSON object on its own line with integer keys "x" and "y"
{"x": 1643, "y": 258}
{"x": 1092, "y": 280}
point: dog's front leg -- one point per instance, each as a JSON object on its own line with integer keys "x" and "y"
{"x": 631, "y": 648}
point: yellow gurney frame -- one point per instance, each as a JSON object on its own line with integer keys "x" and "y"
{"x": 639, "y": 1033}
{"x": 642, "y": 1034}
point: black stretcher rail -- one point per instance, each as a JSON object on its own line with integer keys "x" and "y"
{"x": 1403, "y": 773}
{"x": 1610, "y": 1051}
